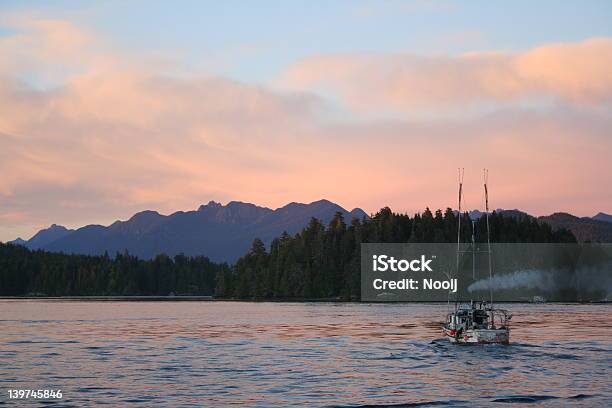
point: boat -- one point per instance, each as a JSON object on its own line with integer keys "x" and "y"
{"x": 476, "y": 321}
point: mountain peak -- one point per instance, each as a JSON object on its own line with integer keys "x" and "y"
{"x": 18, "y": 241}
{"x": 323, "y": 201}
{"x": 358, "y": 213}
{"x": 56, "y": 227}
{"x": 237, "y": 204}
{"x": 145, "y": 214}
{"x": 563, "y": 215}
{"x": 140, "y": 222}
{"x": 601, "y": 216}
{"x": 47, "y": 236}
{"x": 211, "y": 204}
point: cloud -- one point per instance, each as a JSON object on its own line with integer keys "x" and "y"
{"x": 115, "y": 135}
{"x": 147, "y": 140}
{"x": 34, "y": 42}
{"x": 578, "y": 73}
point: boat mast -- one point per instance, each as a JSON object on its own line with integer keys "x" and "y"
{"x": 461, "y": 172}
{"x": 486, "y": 192}
{"x": 473, "y": 249}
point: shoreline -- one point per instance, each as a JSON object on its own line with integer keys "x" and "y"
{"x": 213, "y": 299}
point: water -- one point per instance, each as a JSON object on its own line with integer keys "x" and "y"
{"x": 281, "y": 354}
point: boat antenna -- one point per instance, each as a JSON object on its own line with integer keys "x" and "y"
{"x": 486, "y": 192}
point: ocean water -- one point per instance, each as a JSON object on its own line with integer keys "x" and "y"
{"x": 179, "y": 354}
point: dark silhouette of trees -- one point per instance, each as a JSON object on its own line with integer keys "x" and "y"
{"x": 324, "y": 262}
{"x": 26, "y": 272}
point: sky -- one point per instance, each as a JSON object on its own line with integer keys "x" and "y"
{"x": 108, "y": 108}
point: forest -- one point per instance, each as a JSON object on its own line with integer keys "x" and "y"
{"x": 319, "y": 262}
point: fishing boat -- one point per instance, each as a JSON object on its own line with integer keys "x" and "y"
{"x": 476, "y": 321}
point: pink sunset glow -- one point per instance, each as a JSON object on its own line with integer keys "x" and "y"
{"x": 120, "y": 134}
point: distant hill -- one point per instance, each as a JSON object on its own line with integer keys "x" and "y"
{"x": 18, "y": 241}
{"x": 46, "y": 236}
{"x": 43, "y": 237}
{"x": 221, "y": 232}
{"x": 585, "y": 229}
{"x": 513, "y": 213}
{"x": 603, "y": 217}
{"x": 476, "y": 214}
{"x": 593, "y": 229}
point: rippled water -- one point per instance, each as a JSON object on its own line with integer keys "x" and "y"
{"x": 316, "y": 354}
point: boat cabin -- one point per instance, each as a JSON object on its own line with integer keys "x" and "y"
{"x": 477, "y": 315}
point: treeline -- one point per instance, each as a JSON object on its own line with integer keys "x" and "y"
{"x": 40, "y": 273}
{"x": 324, "y": 261}
{"x": 320, "y": 262}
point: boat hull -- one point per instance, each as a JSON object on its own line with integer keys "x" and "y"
{"x": 479, "y": 336}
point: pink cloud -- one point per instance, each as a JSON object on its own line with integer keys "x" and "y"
{"x": 579, "y": 73}
{"x": 118, "y": 137}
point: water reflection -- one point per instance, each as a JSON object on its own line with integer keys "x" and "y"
{"x": 220, "y": 353}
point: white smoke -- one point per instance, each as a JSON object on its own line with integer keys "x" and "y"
{"x": 527, "y": 279}
{"x": 589, "y": 281}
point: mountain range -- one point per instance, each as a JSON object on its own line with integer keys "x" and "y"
{"x": 594, "y": 229}
{"x": 586, "y": 229}
{"x": 221, "y": 232}
{"x": 225, "y": 232}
